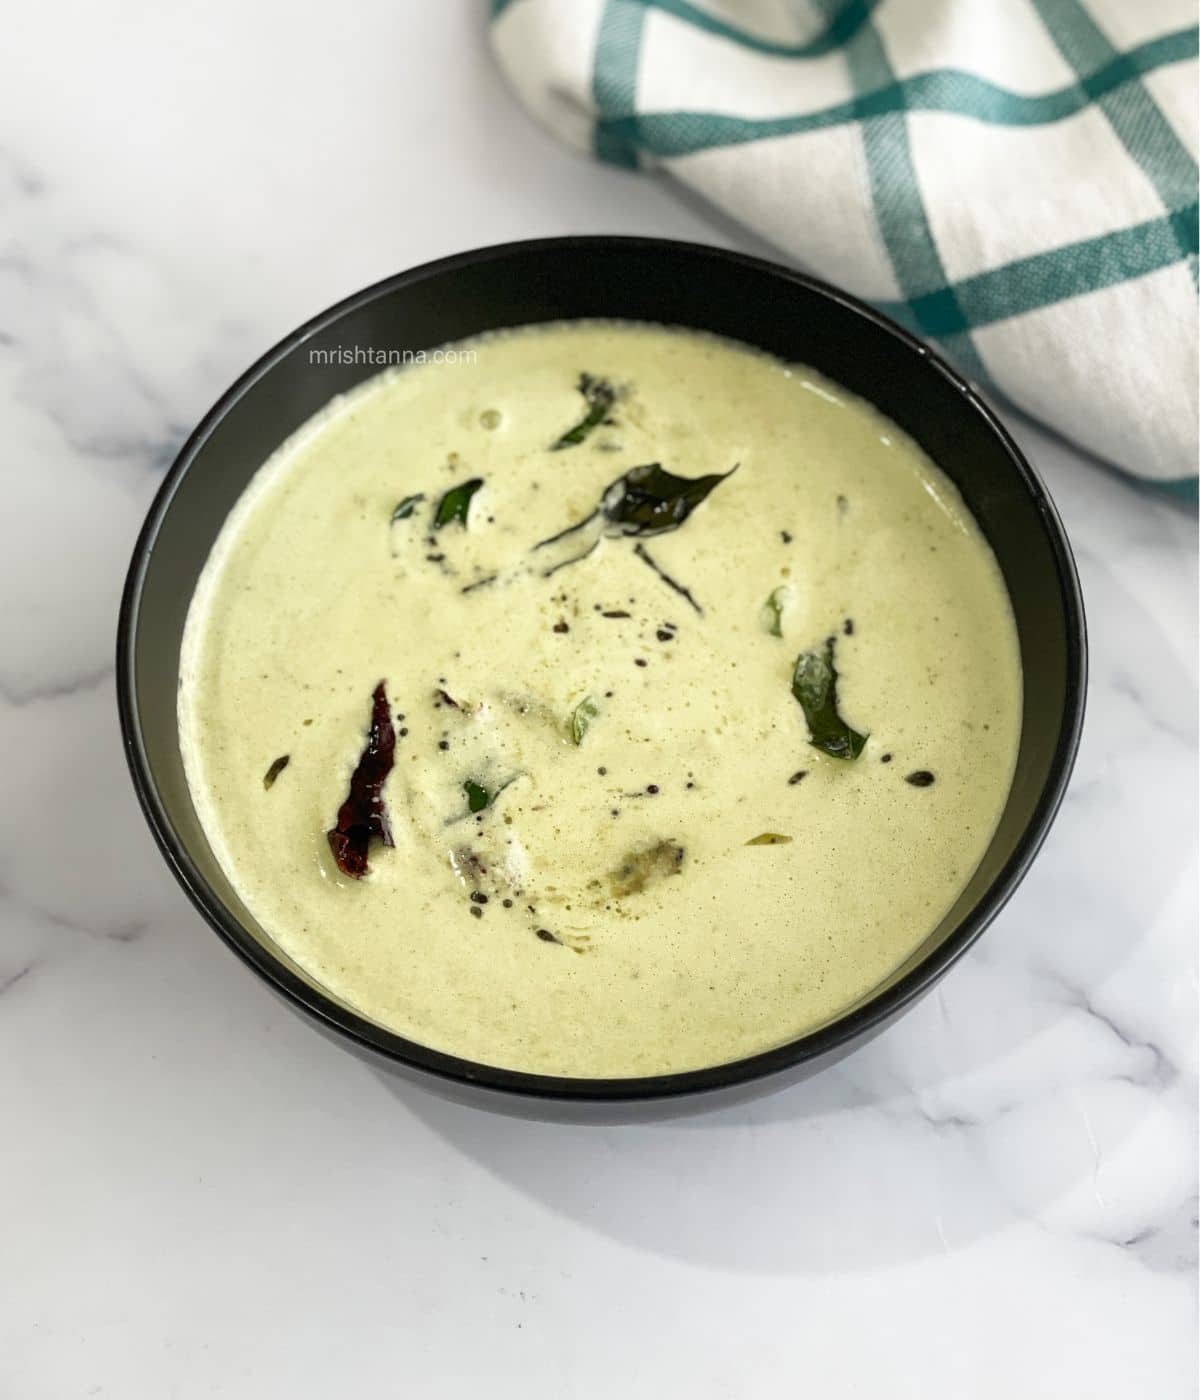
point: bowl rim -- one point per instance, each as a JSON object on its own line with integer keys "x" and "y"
{"x": 826, "y": 1041}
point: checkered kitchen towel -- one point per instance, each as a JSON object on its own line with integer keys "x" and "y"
{"x": 1015, "y": 180}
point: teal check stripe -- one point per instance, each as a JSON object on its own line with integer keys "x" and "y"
{"x": 1132, "y": 113}
{"x": 899, "y": 209}
{"x": 614, "y": 79}
{"x": 1068, "y": 271}
{"x": 681, "y": 133}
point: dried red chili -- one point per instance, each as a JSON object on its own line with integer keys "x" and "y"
{"x": 363, "y": 814}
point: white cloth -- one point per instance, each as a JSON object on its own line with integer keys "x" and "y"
{"x": 1015, "y": 180}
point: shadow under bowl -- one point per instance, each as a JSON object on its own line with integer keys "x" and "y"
{"x": 745, "y": 299}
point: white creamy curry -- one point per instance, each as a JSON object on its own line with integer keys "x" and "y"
{"x": 619, "y": 701}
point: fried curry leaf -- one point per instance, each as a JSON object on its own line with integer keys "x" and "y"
{"x": 275, "y": 769}
{"x": 600, "y": 396}
{"x": 407, "y": 506}
{"x": 650, "y": 500}
{"x": 363, "y": 815}
{"x": 646, "y": 501}
{"x": 455, "y": 504}
{"x": 814, "y": 684}
{"x": 582, "y": 716}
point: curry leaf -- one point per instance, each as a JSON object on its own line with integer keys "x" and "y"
{"x": 600, "y": 396}
{"x": 646, "y": 501}
{"x": 455, "y": 504}
{"x": 772, "y": 610}
{"x": 407, "y": 506}
{"x": 582, "y": 716}
{"x": 478, "y": 796}
{"x": 814, "y": 684}
{"x": 650, "y": 501}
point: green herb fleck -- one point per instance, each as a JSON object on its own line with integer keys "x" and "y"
{"x": 814, "y": 684}
{"x": 600, "y": 396}
{"x": 582, "y": 716}
{"x": 455, "y": 504}
{"x": 769, "y": 838}
{"x": 275, "y": 769}
{"x": 772, "y": 610}
{"x": 478, "y": 796}
{"x": 407, "y": 506}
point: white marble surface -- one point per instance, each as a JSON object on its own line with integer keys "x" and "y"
{"x": 201, "y": 1197}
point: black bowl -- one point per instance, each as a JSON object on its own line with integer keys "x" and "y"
{"x": 637, "y": 279}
